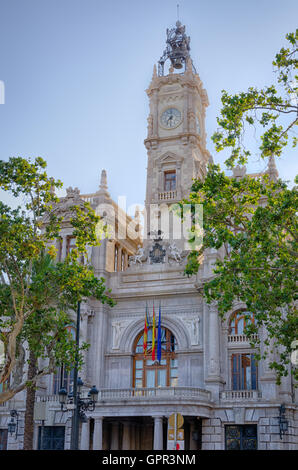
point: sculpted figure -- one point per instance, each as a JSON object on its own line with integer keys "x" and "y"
{"x": 175, "y": 253}
{"x": 139, "y": 257}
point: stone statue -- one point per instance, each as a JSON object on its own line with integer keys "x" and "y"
{"x": 139, "y": 257}
{"x": 175, "y": 253}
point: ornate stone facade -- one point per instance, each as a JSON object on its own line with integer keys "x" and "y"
{"x": 197, "y": 378}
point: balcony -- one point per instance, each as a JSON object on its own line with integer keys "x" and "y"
{"x": 133, "y": 394}
{"x": 141, "y": 396}
{"x": 239, "y": 395}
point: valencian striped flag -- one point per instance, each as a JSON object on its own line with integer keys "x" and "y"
{"x": 153, "y": 335}
{"x": 159, "y": 337}
{"x": 146, "y": 326}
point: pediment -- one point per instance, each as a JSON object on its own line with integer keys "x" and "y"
{"x": 168, "y": 158}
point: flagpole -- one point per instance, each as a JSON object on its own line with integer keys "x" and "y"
{"x": 153, "y": 335}
{"x": 159, "y": 335}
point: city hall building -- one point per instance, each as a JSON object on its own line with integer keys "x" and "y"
{"x": 207, "y": 371}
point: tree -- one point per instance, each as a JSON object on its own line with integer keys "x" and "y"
{"x": 252, "y": 221}
{"x": 36, "y": 295}
{"x": 273, "y": 109}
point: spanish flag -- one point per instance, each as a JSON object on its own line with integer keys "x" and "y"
{"x": 153, "y": 335}
{"x": 146, "y": 326}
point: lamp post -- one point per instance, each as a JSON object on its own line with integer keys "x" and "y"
{"x": 79, "y": 404}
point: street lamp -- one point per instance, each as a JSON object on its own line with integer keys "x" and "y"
{"x": 13, "y": 424}
{"x": 79, "y": 404}
{"x": 83, "y": 403}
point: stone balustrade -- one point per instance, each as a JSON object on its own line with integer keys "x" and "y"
{"x": 167, "y": 195}
{"x": 240, "y": 395}
{"x": 168, "y": 392}
{"x": 143, "y": 393}
{"x": 241, "y": 338}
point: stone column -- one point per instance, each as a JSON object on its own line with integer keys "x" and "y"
{"x": 178, "y": 180}
{"x": 185, "y": 110}
{"x": 213, "y": 380}
{"x": 155, "y": 111}
{"x": 98, "y": 433}
{"x": 285, "y": 389}
{"x": 126, "y": 436}
{"x": 119, "y": 260}
{"x": 133, "y": 437}
{"x": 193, "y": 443}
{"x": 160, "y": 182}
{"x": 98, "y": 340}
{"x": 214, "y": 367}
{"x": 63, "y": 247}
{"x": 266, "y": 376}
{"x": 115, "y": 436}
{"x": 138, "y": 436}
{"x": 158, "y": 433}
{"x": 85, "y": 436}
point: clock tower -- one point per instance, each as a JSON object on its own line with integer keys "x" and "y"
{"x": 176, "y": 139}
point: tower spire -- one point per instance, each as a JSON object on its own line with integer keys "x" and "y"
{"x": 177, "y": 47}
{"x": 103, "y": 186}
{"x": 272, "y": 170}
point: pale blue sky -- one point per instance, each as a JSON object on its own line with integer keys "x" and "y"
{"x": 75, "y": 74}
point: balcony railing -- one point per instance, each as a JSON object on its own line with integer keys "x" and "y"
{"x": 241, "y": 338}
{"x": 167, "y": 195}
{"x": 148, "y": 393}
{"x": 240, "y": 395}
{"x": 143, "y": 393}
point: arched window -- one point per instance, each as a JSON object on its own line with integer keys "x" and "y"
{"x": 239, "y": 320}
{"x": 149, "y": 373}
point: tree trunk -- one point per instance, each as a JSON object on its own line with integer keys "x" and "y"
{"x": 30, "y": 400}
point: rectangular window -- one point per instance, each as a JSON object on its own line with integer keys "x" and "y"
{"x": 161, "y": 377}
{"x": 150, "y": 378}
{"x": 116, "y": 258}
{"x": 63, "y": 379}
{"x": 70, "y": 244}
{"x": 139, "y": 374}
{"x": 122, "y": 260}
{"x": 244, "y": 372}
{"x": 170, "y": 180}
{"x": 51, "y": 438}
{"x": 241, "y": 437}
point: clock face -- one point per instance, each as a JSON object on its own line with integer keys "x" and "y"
{"x": 171, "y": 118}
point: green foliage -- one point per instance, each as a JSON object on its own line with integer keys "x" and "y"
{"x": 262, "y": 108}
{"x": 252, "y": 221}
{"x": 37, "y": 293}
{"x": 253, "y": 224}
